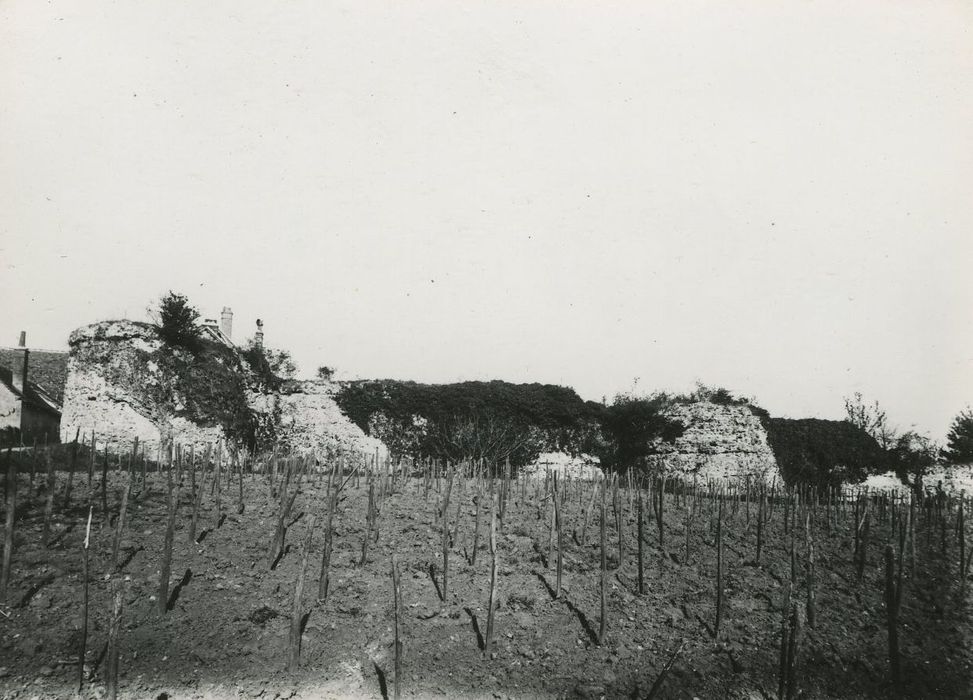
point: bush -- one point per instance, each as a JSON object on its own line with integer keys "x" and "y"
{"x": 630, "y": 429}
{"x": 493, "y": 420}
{"x": 208, "y": 387}
{"x": 824, "y": 452}
{"x": 177, "y": 322}
{"x": 270, "y": 367}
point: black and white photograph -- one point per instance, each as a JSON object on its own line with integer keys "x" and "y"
{"x": 486, "y": 349}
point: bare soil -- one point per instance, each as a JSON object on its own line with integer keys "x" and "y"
{"x": 225, "y": 634}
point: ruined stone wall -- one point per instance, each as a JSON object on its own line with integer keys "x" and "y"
{"x": 108, "y": 370}
{"x": 311, "y": 421}
{"x": 113, "y": 389}
{"x": 720, "y": 442}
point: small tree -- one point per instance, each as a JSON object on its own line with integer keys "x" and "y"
{"x": 325, "y": 373}
{"x": 271, "y": 366}
{"x": 913, "y": 456}
{"x": 177, "y": 322}
{"x": 959, "y": 441}
{"x": 872, "y": 419}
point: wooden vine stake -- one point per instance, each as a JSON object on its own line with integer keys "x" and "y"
{"x": 48, "y": 497}
{"x": 397, "y": 602}
{"x": 84, "y": 602}
{"x": 619, "y": 528}
{"x": 893, "y": 601}
{"x": 719, "y": 567}
{"x": 560, "y": 541}
{"x": 328, "y": 534}
{"x": 603, "y": 624}
{"x": 641, "y": 537}
{"x": 488, "y": 644}
{"x": 294, "y": 645}
{"x": 163, "y": 593}
{"x": 8, "y": 539}
{"x": 790, "y": 645}
{"x": 445, "y": 532}
{"x": 811, "y": 595}
{"x": 120, "y": 525}
{"x": 113, "y": 631}
{"x": 71, "y": 467}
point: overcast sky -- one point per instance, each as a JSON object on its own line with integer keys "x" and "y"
{"x": 774, "y": 197}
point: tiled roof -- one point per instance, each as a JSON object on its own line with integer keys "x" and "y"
{"x": 48, "y": 369}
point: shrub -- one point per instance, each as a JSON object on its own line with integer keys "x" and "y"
{"x": 824, "y": 452}
{"x": 177, "y": 322}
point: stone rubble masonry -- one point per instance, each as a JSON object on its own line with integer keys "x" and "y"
{"x": 721, "y": 442}
{"x": 107, "y": 363}
{"x": 109, "y": 369}
{"x": 312, "y": 422}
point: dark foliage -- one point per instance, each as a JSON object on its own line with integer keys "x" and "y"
{"x": 824, "y": 452}
{"x": 630, "y": 427}
{"x": 494, "y": 419}
{"x": 270, "y": 367}
{"x": 959, "y": 440}
{"x": 177, "y": 322}
{"x": 497, "y": 420}
{"x": 208, "y": 387}
{"x": 913, "y": 456}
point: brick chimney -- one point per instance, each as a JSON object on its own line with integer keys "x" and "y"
{"x": 19, "y": 370}
{"x": 226, "y": 322}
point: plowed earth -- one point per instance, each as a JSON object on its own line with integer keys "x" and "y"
{"x": 226, "y": 631}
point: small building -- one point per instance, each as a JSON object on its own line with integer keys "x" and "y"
{"x": 28, "y": 412}
{"x": 221, "y": 332}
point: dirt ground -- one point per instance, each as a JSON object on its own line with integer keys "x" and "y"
{"x": 225, "y": 634}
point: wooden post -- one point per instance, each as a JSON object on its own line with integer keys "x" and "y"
{"x": 71, "y": 466}
{"x": 48, "y": 497}
{"x": 163, "y": 593}
{"x": 603, "y": 624}
{"x": 893, "y": 600}
{"x": 476, "y": 523}
{"x": 719, "y": 567}
{"x": 619, "y": 524}
{"x": 445, "y": 533}
{"x": 811, "y": 593}
{"x": 397, "y": 603}
{"x": 488, "y": 644}
{"x": 120, "y": 525}
{"x": 114, "y": 629}
{"x": 641, "y": 538}
{"x": 560, "y": 541}
{"x": 326, "y": 553}
{"x": 588, "y": 512}
{"x": 294, "y": 646}
{"x": 8, "y": 539}
{"x": 84, "y": 603}
{"x": 104, "y": 487}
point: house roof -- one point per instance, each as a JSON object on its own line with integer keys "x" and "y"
{"x": 33, "y": 394}
{"x": 48, "y": 369}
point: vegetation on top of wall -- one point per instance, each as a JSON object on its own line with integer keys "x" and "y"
{"x": 718, "y": 395}
{"x": 824, "y": 452}
{"x": 493, "y": 420}
{"x": 270, "y": 367}
{"x": 498, "y": 420}
{"x": 208, "y": 387}
{"x": 630, "y": 428}
{"x": 177, "y": 322}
